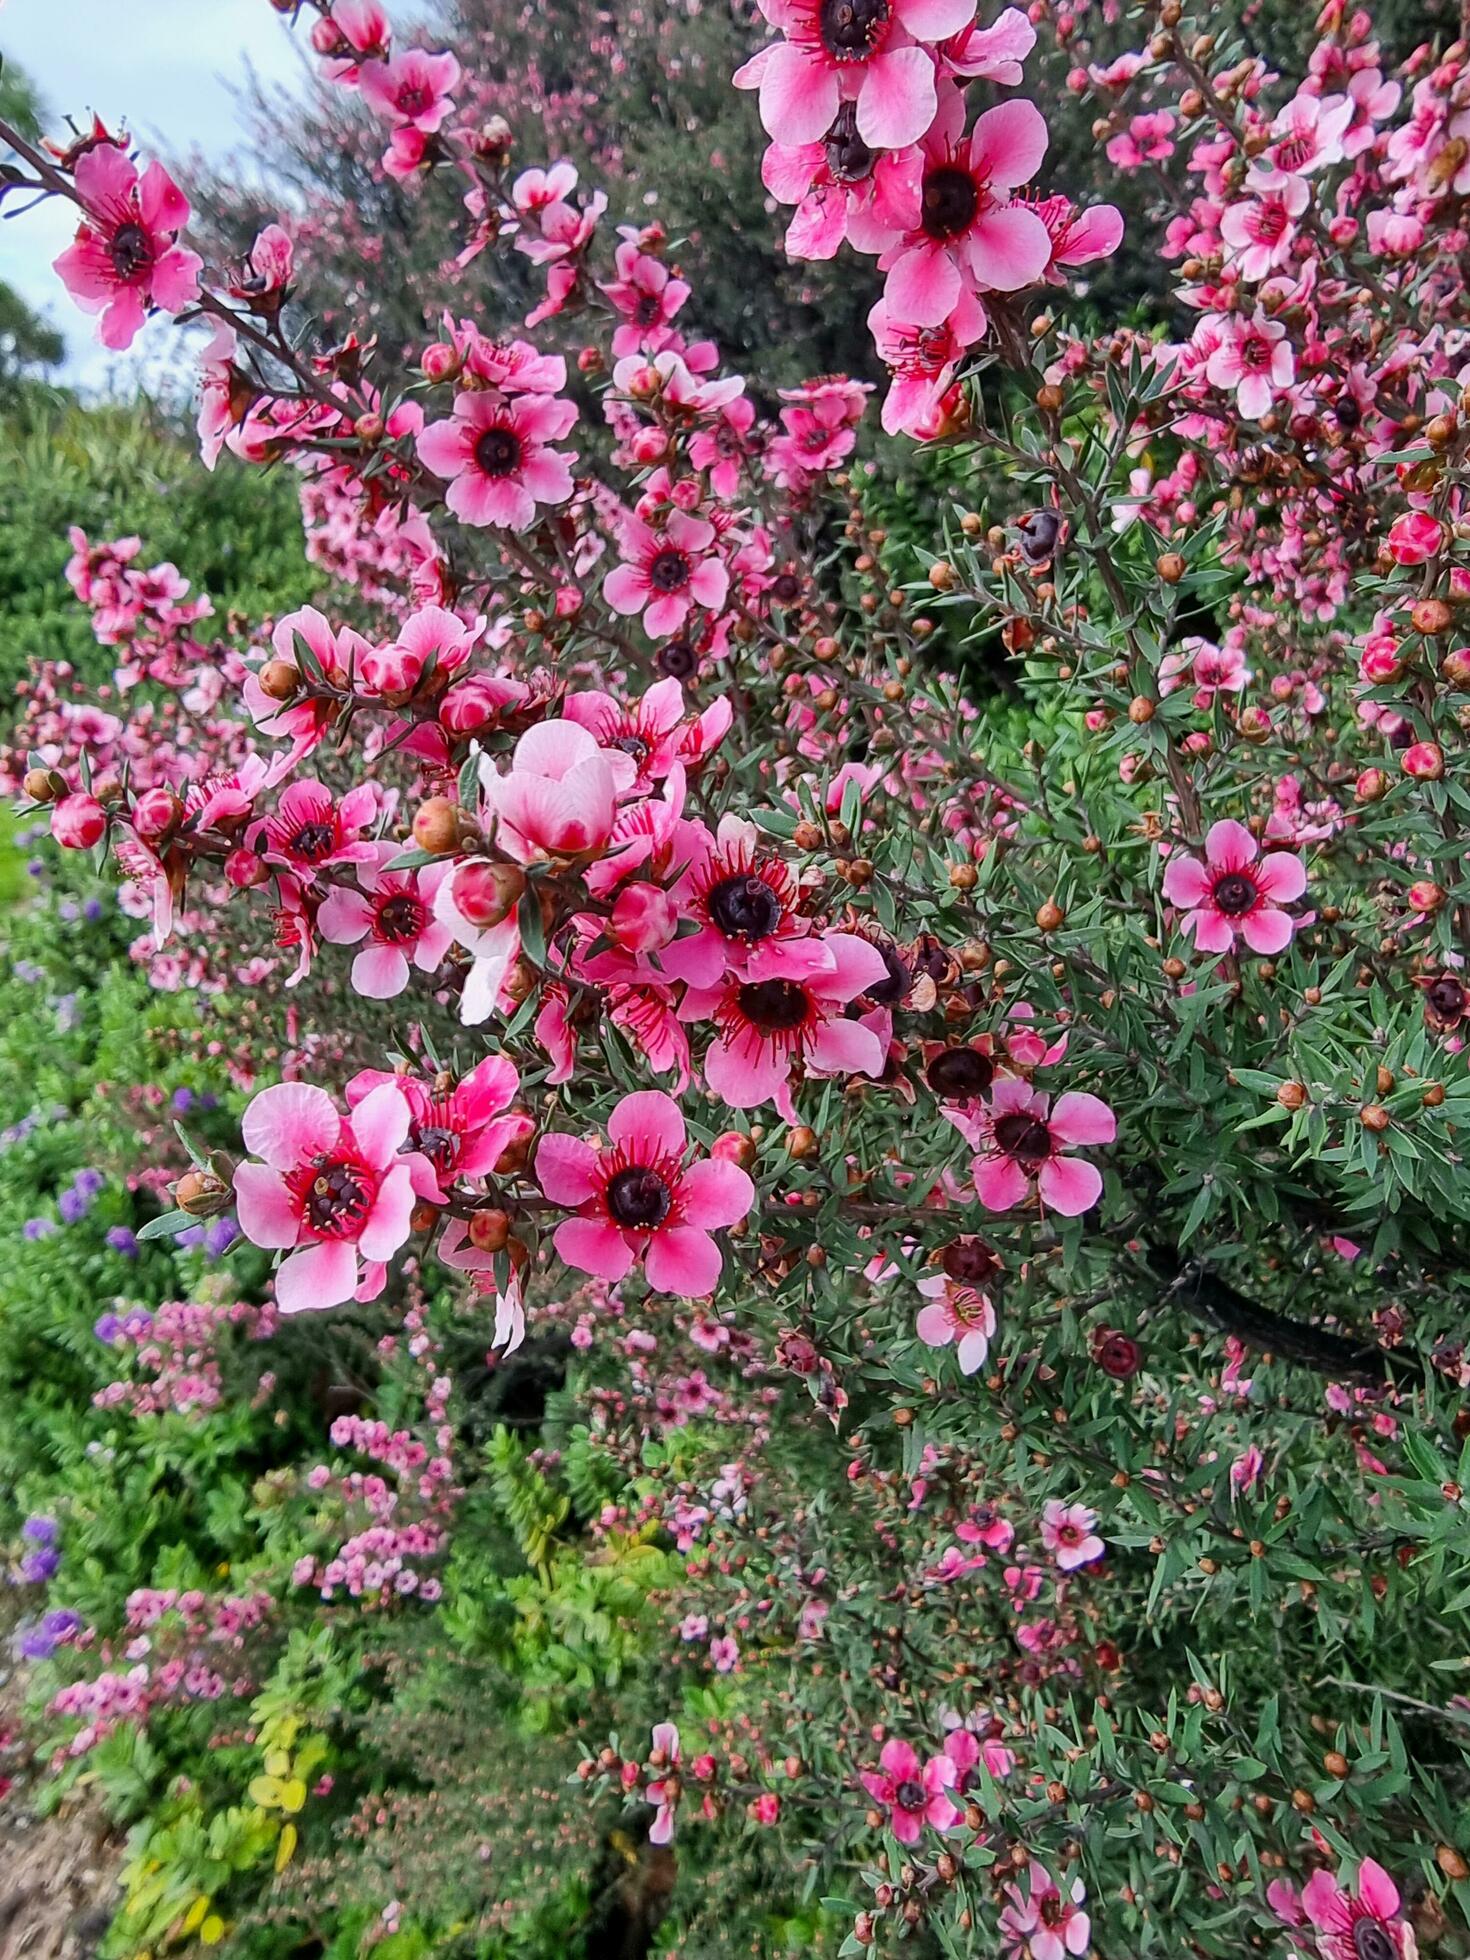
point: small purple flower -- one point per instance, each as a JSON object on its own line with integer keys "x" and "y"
{"x": 92, "y": 911}
{"x": 137, "y": 1322}
{"x": 73, "y": 1205}
{"x": 182, "y": 1101}
{"x": 40, "y": 1529}
{"x": 40, "y": 1565}
{"x": 219, "y": 1236}
{"x": 123, "y": 1241}
{"x": 38, "y": 1228}
{"x": 34, "y": 1643}
{"x": 89, "y": 1182}
{"x": 107, "y": 1327}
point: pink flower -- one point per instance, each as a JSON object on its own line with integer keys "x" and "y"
{"x": 648, "y": 297}
{"x": 1254, "y": 358}
{"x": 1067, "y": 1533}
{"x": 1363, "y": 1925}
{"x": 665, "y": 1800}
{"x": 956, "y": 1313}
{"x": 329, "y": 1191}
{"x": 861, "y": 51}
{"x": 431, "y": 638}
{"x": 640, "y": 1199}
{"x": 1235, "y": 891}
{"x": 1211, "y": 669}
{"x": 415, "y": 89}
{"x": 922, "y": 360}
{"x": 914, "y": 1793}
{"x": 767, "y": 1027}
{"x": 666, "y": 572}
{"x": 652, "y": 731}
{"x": 842, "y": 189}
{"x": 223, "y": 398}
{"x": 126, "y": 256}
{"x": 462, "y": 1131}
{"x": 394, "y": 913}
{"x": 311, "y": 830}
{"x": 743, "y": 903}
{"x": 559, "y": 798}
{"x": 1021, "y": 1140}
{"x": 1078, "y": 237}
{"x": 1260, "y": 230}
{"x": 1041, "y": 1924}
{"x": 970, "y": 236}
{"x": 1309, "y": 133}
{"x": 494, "y": 454}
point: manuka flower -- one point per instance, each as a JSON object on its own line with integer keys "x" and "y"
{"x": 1236, "y": 892}
{"x": 126, "y": 256}
{"x": 641, "y": 1198}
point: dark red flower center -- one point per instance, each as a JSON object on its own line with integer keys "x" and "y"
{"x": 633, "y": 745}
{"x": 649, "y": 310}
{"x": 1373, "y": 1941}
{"x": 498, "y": 451}
{"x": 1235, "y": 894}
{"x": 853, "y": 29}
{"x": 440, "y": 1145}
{"x": 785, "y": 588}
{"x": 313, "y": 841}
{"x": 1255, "y": 352}
{"x": 1447, "y": 998}
{"x": 960, "y": 1073}
{"x": 1024, "y": 1137}
{"x": 414, "y": 98}
{"x": 773, "y": 1006}
{"x": 401, "y": 918}
{"x": 678, "y": 660}
{"x": 336, "y": 1195}
{"x": 969, "y": 1261}
{"x": 950, "y": 202}
{"x": 848, "y": 157}
{"x": 669, "y": 571}
{"x": 1050, "y": 1904}
{"x": 131, "y": 250}
{"x": 638, "y": 1198}
{"x": 910, "y": 1794}
{"x": 744, "y": 907}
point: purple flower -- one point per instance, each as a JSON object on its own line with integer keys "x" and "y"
{"x": 89, "y": 1182}
{"x": 123, "y": 1241}
{"x": 73, "y": 1205}
{"x": 107, "y": 1326}
{"x": 219, "y": 1236}
{"x": 40, "y": 1565}
{"x": 92, "y": 910}
{"x": 182, "y": 1101}
{"x": 38, "y": 1228}
{"x": 40, "y": 1529}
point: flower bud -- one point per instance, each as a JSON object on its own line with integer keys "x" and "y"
{"x": 734, "y": 1148}
{"x": 436, "y": 825}
{"x": 485, "y": 893}
{"x": 43, "y": 785}
{"x": 279, "y": 680}
{"x": 155, "y": 814}
{"x": 1371, "y": 786}
{"x": 1424, "y": 761}
{"x": 489, "y": 1231}
{"x": 201, "y": 1194}
{"x": 245, "y": 868}
{"x": 440, "y": 362}
{"x": 78, "y": 822}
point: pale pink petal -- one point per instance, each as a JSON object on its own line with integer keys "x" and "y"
{"x": 1212, "y": 932}
{"x": 267, "y": 1212}
{"x": 322, "y": 1275}
{"x": 845, "y": 1048}
{"x": 388, "y": 1222}
{"x": 1008, "y": 143}
{"x": 1266, "y": 930}
{"x": 1070, "y": 1185}
{"x": 380, "y": 1124}
{"x": 1187, "y": 883}
{"x": 1229, "y": 845}
{"x": 1009, "y": 247}
{"x": 923, "y": 286}
{"x": 345, "y": 916}
{"x": 1079, "y": 1118}
{"x": 1281, "y": 876}
{"x": 626, "y": 589}
{"x": 290, "y": 1122}
{"x": 1000, "y": 1182}
{"x": 897, "y": 99}
{"x": 798, "y": 95}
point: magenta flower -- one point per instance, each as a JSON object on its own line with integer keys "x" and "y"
{"x": 494, "y": 454}
{"x": 462, "y": 1131}
{"x": 666, "y": 572}
{"x": 914, "y": 1793}
{"x": 647, "y": 296}
{"x": 1236, "y": 892}
{"x": 922, "y": 360}
{"x": 842, "y": 189}
{"x": 653, "y": 730}
{"x": 639, "y": 1198}
{"x": 394, "y": 914}
{"x": 861, "y": 51}
{"x": 1361, "y": 1925}
{"x": 311, "y": 830}
{"x": 1067, "y": 1533}
{"x": 956, "y": 1313}
{"x": 769, "y": 1026}
{"x": 126, "y": 256}
{"x": 415, "y": 89}
{"x": 1022, "y": 1139}
{"x": 1041, "y": 1924}
{"x": 743, "y": 903}
{"x": 970, "y": 235}
{"x": 1260, "y": 230}
{"x": 331, "y": 1192}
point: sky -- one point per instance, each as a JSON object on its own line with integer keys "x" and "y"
{"x": 166, "y": 68}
